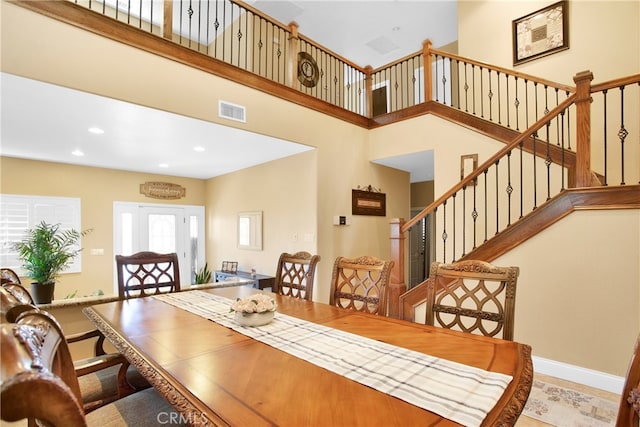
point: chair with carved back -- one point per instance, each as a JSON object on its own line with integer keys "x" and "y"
{"x": 629, "y": 409}
{"x": 295, "y": 275}
{"x": 472, "y": 296}
{"x": 103, "y": 377}
{"x": 7, "y": 275}
{"x": 147, "y": 273}
{"x": 39, "y": 381}
{"x": 361, "y": 284}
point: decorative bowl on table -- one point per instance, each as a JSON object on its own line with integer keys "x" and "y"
{"x": 255, "y": 310}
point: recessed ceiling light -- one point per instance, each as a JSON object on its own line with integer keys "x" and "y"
{"x": 96, "y": 130}
{"x": 163, "y": 165}
{"x": 77, "y": 153}
{"x": 198, "y": 148}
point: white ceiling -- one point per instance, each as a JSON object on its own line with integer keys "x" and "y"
{"x": 46, "y": 122}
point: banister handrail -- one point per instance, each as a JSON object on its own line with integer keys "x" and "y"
{"x": 397, "y": 61}
{"x": 612, "y": 84}
{"x": 489, "y": 162}
{"x": 502, "y": 70}
{"x": 332, "y": 53}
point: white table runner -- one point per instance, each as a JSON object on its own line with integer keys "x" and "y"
{"x": 458, "y": 392}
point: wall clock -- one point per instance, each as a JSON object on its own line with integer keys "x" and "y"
{"x": 308, "y": 73}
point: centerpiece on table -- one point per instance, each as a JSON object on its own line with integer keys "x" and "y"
{"x": 254, "y": 310}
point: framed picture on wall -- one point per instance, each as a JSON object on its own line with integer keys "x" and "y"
{"x": 541, "y": 33}
{"x": 368, "y": 203}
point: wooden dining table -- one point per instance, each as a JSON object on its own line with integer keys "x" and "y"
{"x": 214, "y": 375}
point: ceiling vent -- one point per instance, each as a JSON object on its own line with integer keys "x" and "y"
{"x": 230, "y": 111}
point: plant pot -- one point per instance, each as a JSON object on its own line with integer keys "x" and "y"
{"x": 42, "y": 293}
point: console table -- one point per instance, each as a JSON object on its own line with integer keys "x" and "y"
{"x": 260, "y": 281}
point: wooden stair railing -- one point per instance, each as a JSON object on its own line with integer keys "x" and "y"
{"x": 590, "y": 195}
{"x": 570, "y": 200}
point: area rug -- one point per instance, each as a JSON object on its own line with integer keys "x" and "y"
{"x": 565, "y": 407}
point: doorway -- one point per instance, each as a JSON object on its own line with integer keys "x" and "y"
{"x": 419, "y": 249}
{"x": 163, "y": 229}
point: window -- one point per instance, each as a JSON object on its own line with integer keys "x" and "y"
{"x": 18, "y": 213}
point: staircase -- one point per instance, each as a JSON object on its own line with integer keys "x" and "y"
{"x": 556, "y": 180}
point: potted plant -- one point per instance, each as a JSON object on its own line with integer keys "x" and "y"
{"x": 203, "y": 275}
{"x": 46, "y": 251}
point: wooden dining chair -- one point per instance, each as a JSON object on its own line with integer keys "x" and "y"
{"x": 103, "y": 377}
{"x": 361, "y": 284}
{"x": 472, "y": 296}
{"x": 147, "y": 273}
{"x": 39, "y": 381}
{"x": 629, "y": 409}
{"x": 7, "y": 275}
{"x": 295, "y": 275}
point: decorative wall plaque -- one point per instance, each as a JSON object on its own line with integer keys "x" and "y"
{"x": 162, "y": 190}
{"x": 368, "y": 201}
{"x": 308, "y": 73}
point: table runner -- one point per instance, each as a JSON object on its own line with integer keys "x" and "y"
{"x": 455, "y": 391}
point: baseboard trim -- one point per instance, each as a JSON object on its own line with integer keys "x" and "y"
{"x": 577, "y": 374}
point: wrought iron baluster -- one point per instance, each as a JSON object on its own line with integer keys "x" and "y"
{"x": 497, "y": 197}
{"x": 486, "y": 218}
{"x": 547, "y": 159}
{"x": 490, "y": 95}
{"x": 453, "y": 221}
{"x": 521, "y": 150}
{"x": 622, "y": 135}
{"x": 508, "y": 108}
{"x": 562, "y": 133}
{"x": 509, "y": 188}
{"x": 464, "y": 220}
{"x": 466, "y": 89}
{"x": 499, "y": 100}
{"x": 604, "y": 93}
{"x": 516, "y": 103}
{"x": 568, "y": 127}
{"x": 444, "y": 232}
{"x": 526, "y": 101}
{"x": 437, "y": 94}
{"x": 535, "y": 169}
{"x": 481, "y": 92}
{"x": 473, "y": 88}
{"x": 474, "y": 213}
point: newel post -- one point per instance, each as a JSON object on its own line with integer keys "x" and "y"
{"x": 368, "y": 70}
{"x": 428, "y": 70}
{"x": 167, "y": 24}
{"x": 292, "y": 62}
{"x": 583, "y": 128}
{"x": 397, "y": 286}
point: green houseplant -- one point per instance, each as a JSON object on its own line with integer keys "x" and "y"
{"x": 203, "y": 275}
{"x": 46, "y": 251}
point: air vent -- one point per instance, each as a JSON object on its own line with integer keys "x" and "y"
{"x": 230, "y": 111}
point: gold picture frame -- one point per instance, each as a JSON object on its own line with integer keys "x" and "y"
{"x": 541, "y": 33}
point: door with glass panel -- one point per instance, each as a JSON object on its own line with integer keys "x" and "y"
{"x": 162, "y": 229}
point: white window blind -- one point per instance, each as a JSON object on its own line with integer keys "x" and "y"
{"x": 19, "y": 213}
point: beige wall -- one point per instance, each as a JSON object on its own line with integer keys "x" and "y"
{"x": 97, "y": 190}
{"x": 578, "y": 292}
